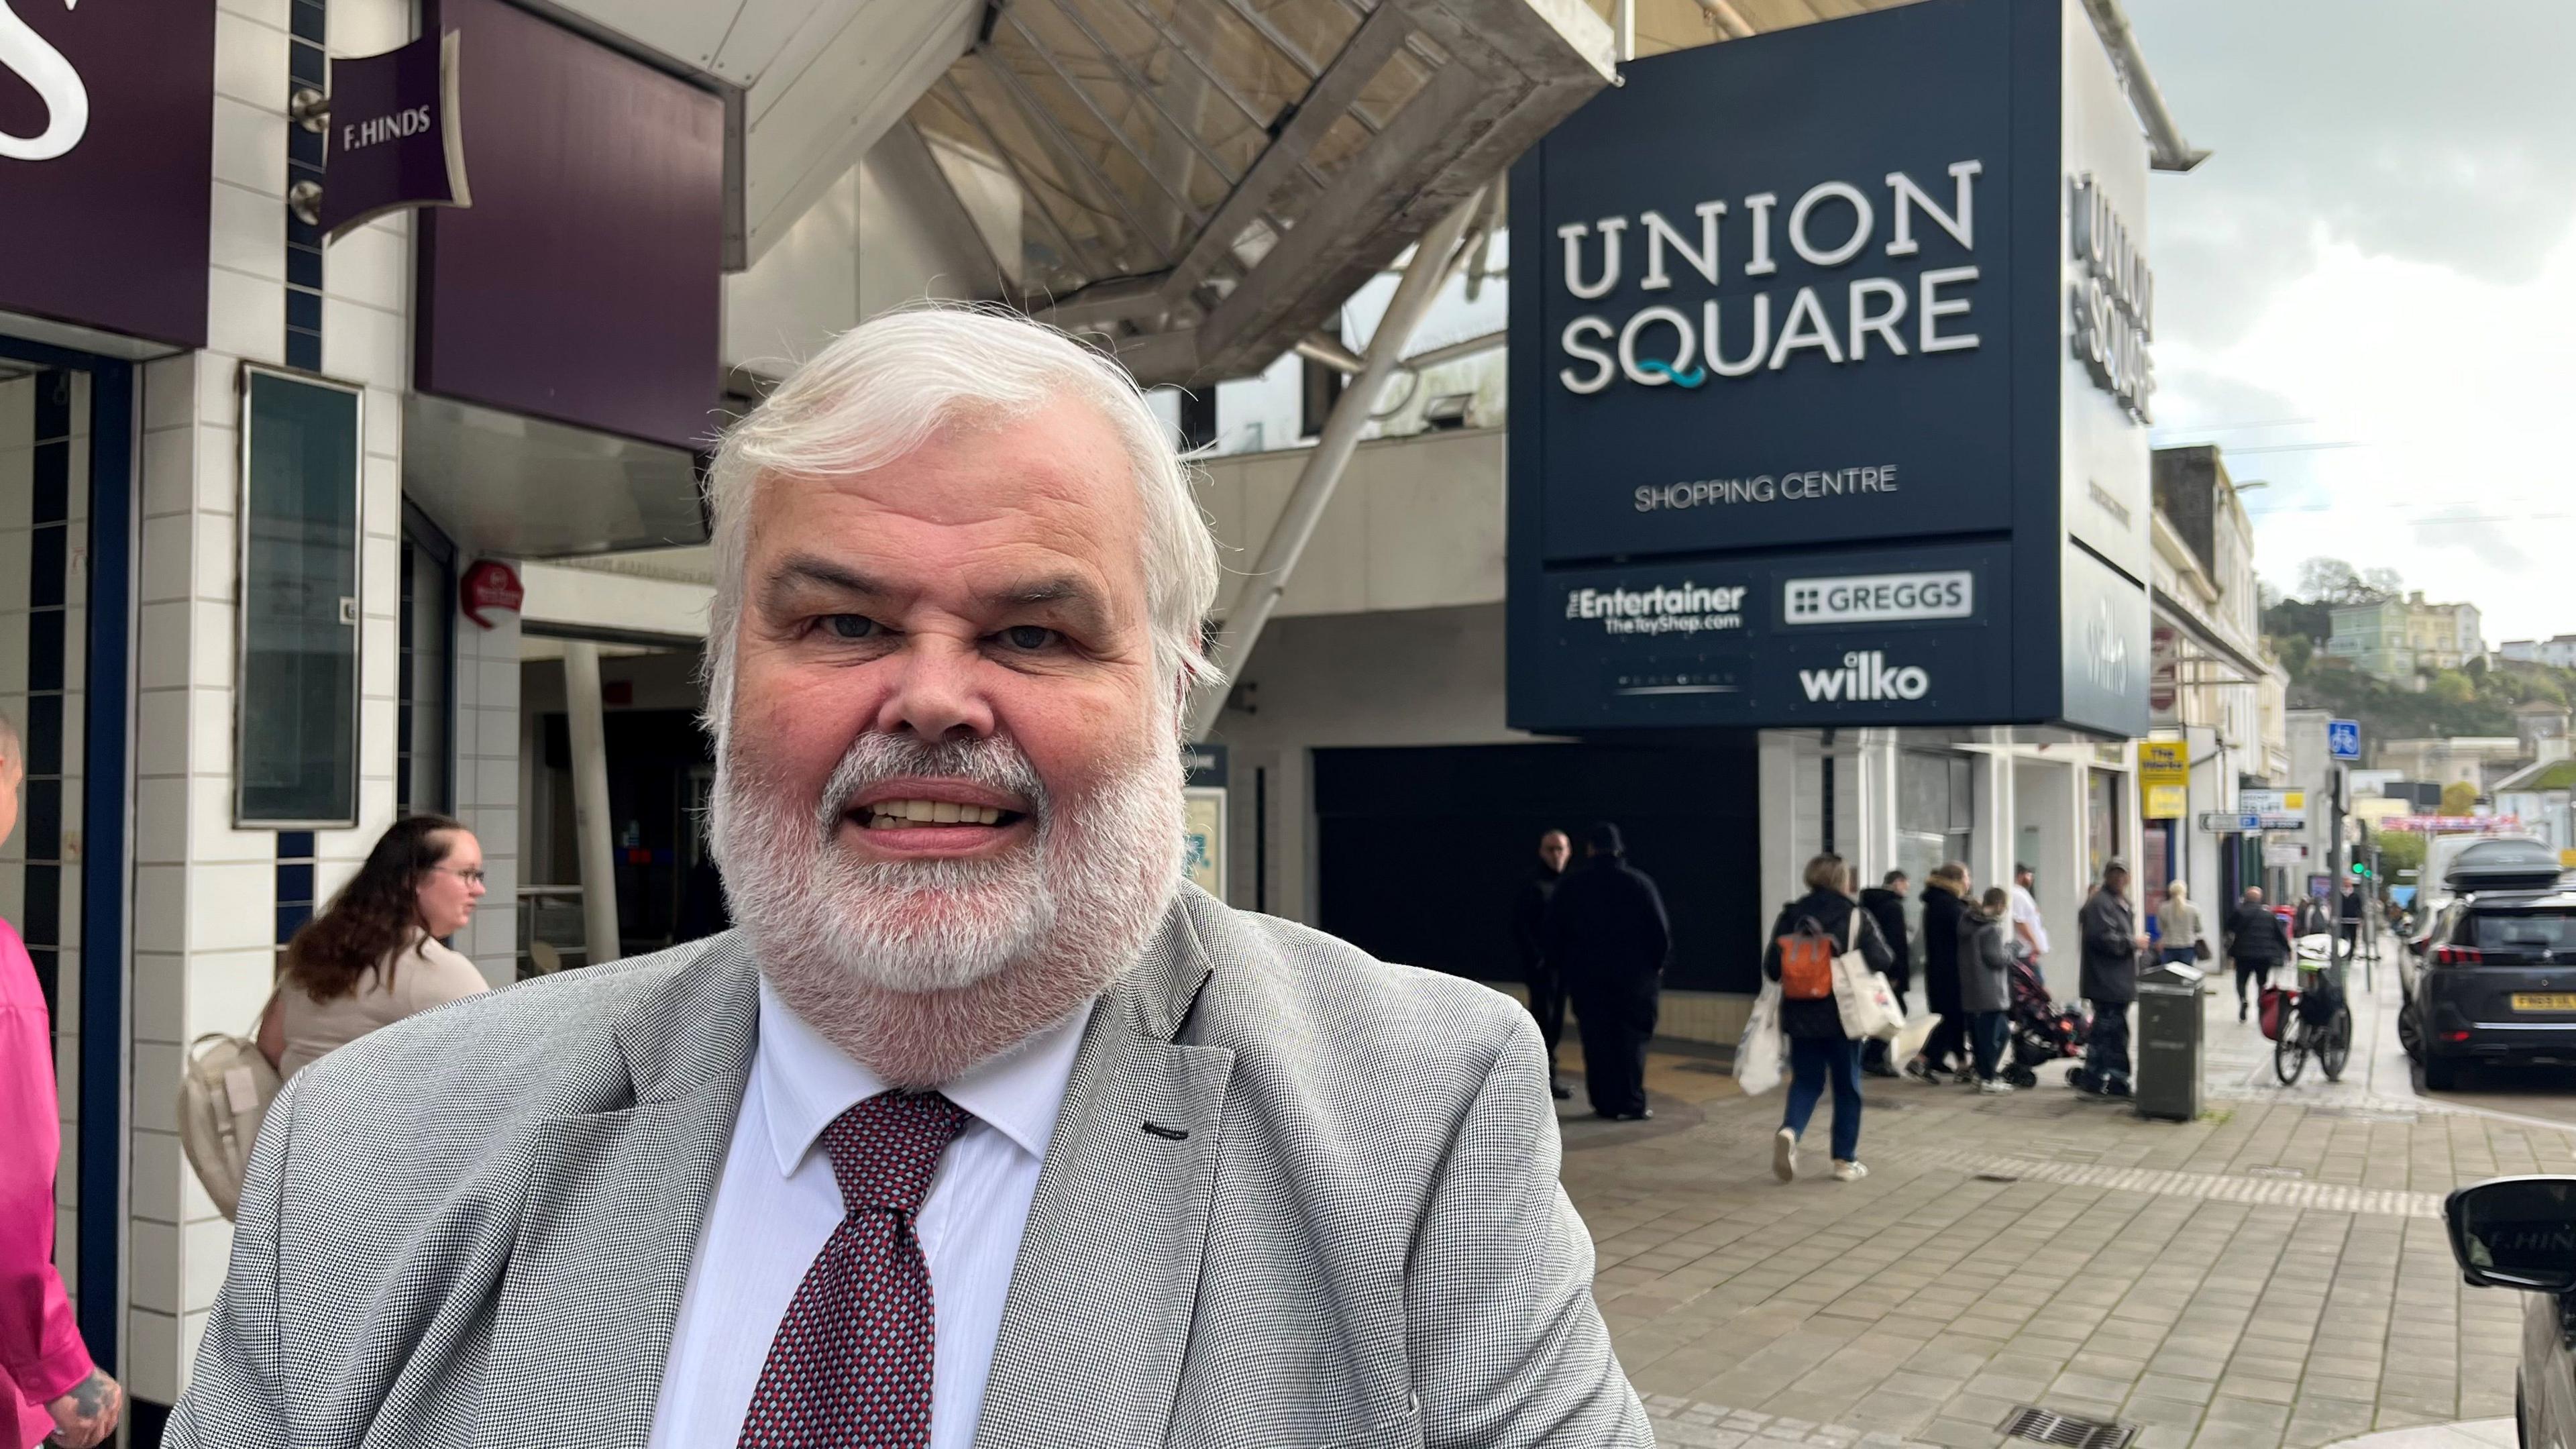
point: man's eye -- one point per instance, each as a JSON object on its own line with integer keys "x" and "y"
{"x": 852, "y": 626}
{"x": 1028, "y": 636}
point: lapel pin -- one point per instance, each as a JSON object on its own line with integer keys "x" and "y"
{"x": 1168, "y": 1134}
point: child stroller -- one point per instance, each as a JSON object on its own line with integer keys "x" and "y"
{"x": 2042, "y": 1031}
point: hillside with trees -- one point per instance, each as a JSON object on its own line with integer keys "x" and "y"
{"x": 2478, "y": 700}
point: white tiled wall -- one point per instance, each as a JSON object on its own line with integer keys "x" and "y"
{"x": 204, "y": 892}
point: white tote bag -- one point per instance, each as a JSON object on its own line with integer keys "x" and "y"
{"x": 1758, "y": 1053}
{"x": 1867, "y": 1002}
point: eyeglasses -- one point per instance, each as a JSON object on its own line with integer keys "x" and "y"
{"x": 470, "y": 877}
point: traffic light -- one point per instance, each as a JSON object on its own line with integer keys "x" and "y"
{"x": 2361, "y": 868}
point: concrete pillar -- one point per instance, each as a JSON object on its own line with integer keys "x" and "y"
{"x": 1872, "y": 848}
{"x": 585, "y": 717}
{"x": 1997, "y": 819}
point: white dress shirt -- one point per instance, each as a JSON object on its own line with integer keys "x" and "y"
{"x": 2025, "y": 912}
{"x": 777, "y": 1202}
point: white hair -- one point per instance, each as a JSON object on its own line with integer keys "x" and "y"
{"x": 887, "y": 386}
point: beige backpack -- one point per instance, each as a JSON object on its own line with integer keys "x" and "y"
{"x": 223, "y": 1095}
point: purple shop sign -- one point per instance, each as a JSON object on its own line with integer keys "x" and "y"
{"x": 106, "y": 140}
{"x": 393, "y": 138}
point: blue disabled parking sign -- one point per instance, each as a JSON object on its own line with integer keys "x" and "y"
{"x": 2343, "y": 739}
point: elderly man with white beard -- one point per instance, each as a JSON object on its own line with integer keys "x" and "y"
{"x": 983, "y": 1128}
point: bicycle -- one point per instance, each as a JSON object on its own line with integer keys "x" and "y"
{"x": 2328, "y": 1039}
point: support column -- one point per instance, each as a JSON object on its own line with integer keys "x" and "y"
{"x": 1433, "y": 258}
{"x": 1998, "y": 820}
{"x": 585, "y": 716}
{"x": 1873, "y": 844}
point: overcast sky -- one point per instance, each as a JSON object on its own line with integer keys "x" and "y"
{"x": 2367, "y": 295}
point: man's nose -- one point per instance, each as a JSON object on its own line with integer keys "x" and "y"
{"x": 935, "y": 694}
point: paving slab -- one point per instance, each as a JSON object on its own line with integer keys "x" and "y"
{"x": 2271, "y": 1276}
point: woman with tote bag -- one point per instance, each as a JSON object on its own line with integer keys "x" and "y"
{"x": 1810, "y": 932}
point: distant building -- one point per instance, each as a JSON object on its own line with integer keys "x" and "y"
{"x": 2215, "y": 683}
{"x": 2558, "y": 650}
{"x": 2542, "y": 727}
{"x": 2404, "y": 640}
{"x": 2475, "y": 760}
{"x": 2539, "y": 795}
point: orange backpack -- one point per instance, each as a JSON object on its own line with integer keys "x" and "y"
{"x": 1807, "y": 961}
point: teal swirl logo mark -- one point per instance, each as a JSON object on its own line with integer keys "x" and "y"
{"x": 1693, "y": 378}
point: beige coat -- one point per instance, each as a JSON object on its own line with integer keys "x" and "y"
{"x": 426, "y": 975}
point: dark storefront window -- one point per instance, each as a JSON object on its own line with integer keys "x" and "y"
{"x": 423, "y": 752}
{"x": 296, "y": 744}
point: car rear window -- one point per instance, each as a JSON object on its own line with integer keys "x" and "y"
{"x": 2550, "y": 930}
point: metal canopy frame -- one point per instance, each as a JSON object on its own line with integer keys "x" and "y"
{"x": 1319, "y": 169}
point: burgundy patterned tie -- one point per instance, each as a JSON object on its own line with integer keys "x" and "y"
{"x": 851, "y": 1363}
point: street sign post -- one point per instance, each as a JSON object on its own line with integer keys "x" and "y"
{"x": 2343, "y": 738}
{"x": 2223, "y": 822}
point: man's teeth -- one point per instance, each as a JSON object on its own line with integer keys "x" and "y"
{"x": 886, "y": 813}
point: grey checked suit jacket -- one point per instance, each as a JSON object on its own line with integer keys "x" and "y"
{"x": 474, "y": 1227}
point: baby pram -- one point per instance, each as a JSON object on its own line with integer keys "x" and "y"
{"x": 2042, "y": 1031}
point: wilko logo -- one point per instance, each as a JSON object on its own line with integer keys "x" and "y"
{"x": 1865, "y": 675}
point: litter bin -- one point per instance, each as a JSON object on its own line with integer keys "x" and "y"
{"x": 2169, "y": 1042}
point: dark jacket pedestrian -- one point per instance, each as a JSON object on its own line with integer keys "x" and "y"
{"x": 2110, "y": 928}
{"x": 1887, "y": 909}
{"x": 2254, "y": 934}
{"x": 1830, "y": 913}
{"x": 1985, "y": 962}
{"x": 2109, "y": 925}
{"x": 1529, "y": 941}
{"x": 1944, "y": 902}
{"x": 1608, "y": 937}
{"x": 1819, "y": 1053}
{"x": 1985, "y": 984}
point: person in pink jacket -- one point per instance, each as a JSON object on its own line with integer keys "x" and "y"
{"x": 49, "y": 1389}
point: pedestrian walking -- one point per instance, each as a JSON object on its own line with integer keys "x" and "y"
{"x": 1985, "y": 984}
{"x": 1818, "y": 1050}
{"x": 1529, "y": 936}
{"x": 1609, "y": 937}
{"x": 2027, "y": 927}
{"x": 1945, "y": 900}
{"x": 50, "y": 1391}
{"x": 2178, "y": 927}
{"x": 2111, "y": 943}
{"x": 2255, "y": 944}
{"x": 1885, "y": 903}
{"x": 2308, "y": 918}
{"x": 374, "y": 955}
{"x": 2348, "y": 910}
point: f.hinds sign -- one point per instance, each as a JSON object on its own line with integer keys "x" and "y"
{"x": 1823, "y": 293}
{"x": 106, "y": 143}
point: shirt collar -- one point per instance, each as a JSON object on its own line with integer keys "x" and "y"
{"x": 806, "y": 1082}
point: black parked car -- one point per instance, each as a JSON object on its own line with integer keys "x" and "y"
{"x": 2497, "y": 977}
{"x": 2520, "y": 1232}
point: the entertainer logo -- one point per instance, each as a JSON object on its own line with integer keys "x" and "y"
{"x": 1683, "y": 608}
{"x": 1865, "y": 675}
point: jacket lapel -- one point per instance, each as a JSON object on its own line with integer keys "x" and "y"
{"x": 1098, "y": 1318}
{"x": 582, "y": 1323}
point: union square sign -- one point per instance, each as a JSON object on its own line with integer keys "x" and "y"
{"x": 1859, "y": 299}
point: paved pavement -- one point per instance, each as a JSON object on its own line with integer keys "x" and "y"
{"x": 2274, "y": 1274}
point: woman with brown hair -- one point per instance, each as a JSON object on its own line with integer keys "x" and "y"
{"x": 374, "y": 955}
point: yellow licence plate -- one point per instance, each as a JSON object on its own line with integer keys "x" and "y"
{"x": 2544, "y": 1001}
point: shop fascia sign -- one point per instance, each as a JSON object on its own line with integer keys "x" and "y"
{"x": 2111, "y": 300}
{"x": 56, "y": 82}
{"x": 1831, "y": 224}
{"x": 391, "y": 133}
